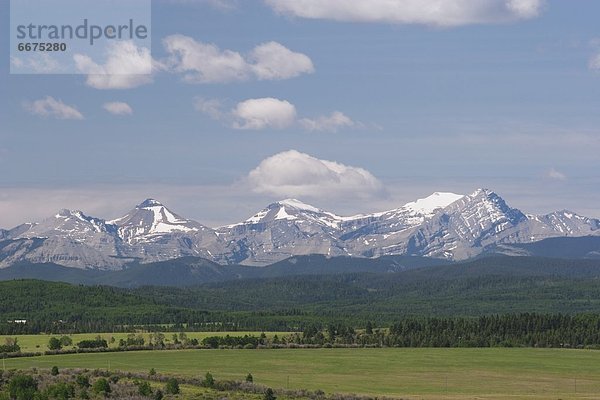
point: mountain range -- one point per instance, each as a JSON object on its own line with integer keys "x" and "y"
{"x": 443, "y": 226}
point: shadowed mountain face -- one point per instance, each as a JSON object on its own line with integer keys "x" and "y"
{"x": 443, "y": 226}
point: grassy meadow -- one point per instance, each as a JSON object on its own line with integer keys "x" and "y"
{"x": 441, "y": 373}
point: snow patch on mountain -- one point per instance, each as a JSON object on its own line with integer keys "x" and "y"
{"x": 429, "y": 205}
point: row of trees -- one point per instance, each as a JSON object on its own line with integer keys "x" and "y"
{"x": 530, "y": 330}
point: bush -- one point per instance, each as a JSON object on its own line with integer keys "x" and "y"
{"x": 54, "y": 344}
{"x": 269, "y": 395}
{"x": 54, "y": 371}
{"x": 152, "y": 372}
{"x": 249, "y": 378}
{"x": 10, "y": 346}
{"x": 144, "y": 389}
{"x": 158, "y": 395}
{"x": 82, "y": 381}
{"x": 101, "y": 386}
{"x": 22, "y": 387}
{"x": 61, "y": 391}
{"x": 172, "y": 386}
{"x": 93, "y": 344}
{"x": 208, "y": 381}
{"x": 66, "y": 341}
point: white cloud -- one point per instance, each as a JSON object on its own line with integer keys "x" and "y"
{"x": 264, "y": 113}
{"x": 41, "y": 63}
{"x": 557, "y": 175}
{"x": 594, "y": 63}
{"x": 271, "y": 61}
{"x": 126, "y": 66}
{"x": 296, "y": 174}
{"x": 16, "y": 62}
{"x": 210, "y": 107}
{"x": 118, "y": 108}
{"x": 270, "y": 113}
{"x": 50, "y": 107}
{"x": 205, "y": 63}
{"x": 330, "y": 123}
{"x": 445, "y": 13}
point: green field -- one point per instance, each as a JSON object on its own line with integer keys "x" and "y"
{"x": 36, "y": 343}
{"x": 409, "y": 373}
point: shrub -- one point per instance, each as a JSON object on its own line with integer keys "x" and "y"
{"x": 172, "y": 386}
{"x": 144, "y": 389}
{"x": 54, "y": 344}
{"x": 158, "y": 395}
{"x": 249, "y": 378}
{"x": 61, "y": 391}
{"x": 66, "y": 341}
{"x": 208, "y": 381}
{"x": 97, "y": 343}
{"x": 269, "y": 395}
{"x": 22, "y": 387}
{"x": 54, "y": 371}
{"x": 101, "y": 386}
{"x": 152, "y": 372}
{"x": 82, "y": 381}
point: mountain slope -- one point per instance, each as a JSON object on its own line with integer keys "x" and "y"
{"x": 283, "y": 229}
{"x": 444, "y": 225}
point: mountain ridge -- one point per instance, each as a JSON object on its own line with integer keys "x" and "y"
{"x": 447, "y": 226}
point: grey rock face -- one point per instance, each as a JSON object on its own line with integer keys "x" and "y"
{"x": 443, "y": 225}
{"x": 288, "y": 227}
{"x": 152, "y": 232}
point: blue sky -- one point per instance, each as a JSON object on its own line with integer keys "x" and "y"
{"x": 355, "y": 111}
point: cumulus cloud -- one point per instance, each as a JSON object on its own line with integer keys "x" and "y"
{"x": 272, "y": 61}
{"x": 270, "y": 113}
{"x": 118, "y": 108}
{"x": 210, "y": 107}
{"x": 126, "y": 66}
{"x": 264, "y": 113}
{"x": 296, "y": 174}
{"x": 330, "y": 123}
{"x": 50, "y": 107}
{"x": 555, "y": 174}
{"x": 206, "y": 63}
{"x": 445, "y": 13}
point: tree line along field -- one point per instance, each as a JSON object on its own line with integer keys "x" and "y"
{"x": 493, "y": 373}
{"x": 39, "y": 343}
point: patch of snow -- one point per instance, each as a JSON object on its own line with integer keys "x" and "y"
{"x": 282, "y": 214}
{"x": 430, "y": 204}
{"x": 299, "y": 205}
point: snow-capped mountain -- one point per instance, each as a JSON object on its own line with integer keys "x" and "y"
{"x": 443, "y": 225}
{"x": 70, "y": 238}
{"x": 149, "y": 219}
{"x": 372, "y": 227}
{"x": 152, "y": 232}
{"x": 285, "y": 228}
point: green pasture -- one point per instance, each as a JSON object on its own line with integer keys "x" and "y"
{"x": 490, "y": 373}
